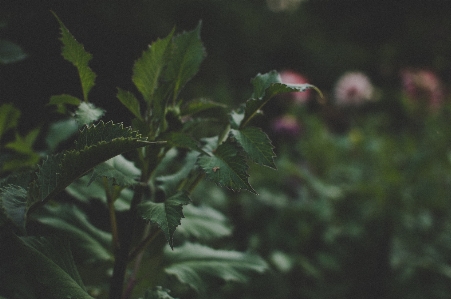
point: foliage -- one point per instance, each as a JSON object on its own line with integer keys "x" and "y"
{"x": 138, "y": 179}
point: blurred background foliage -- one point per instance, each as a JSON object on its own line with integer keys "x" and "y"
{"x": 360, "y": 205}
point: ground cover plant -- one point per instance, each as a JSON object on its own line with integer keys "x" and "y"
{"x": 98, "y": 212}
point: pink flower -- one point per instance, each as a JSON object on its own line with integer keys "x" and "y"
{"x": 353, "y": 88}
{"x": 286, "y": 125}
{"x": 422, "y": 85}
{"x": 292, "y": 77}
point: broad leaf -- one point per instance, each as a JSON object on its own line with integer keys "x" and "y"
{"x": 39, "y": 268}
{"x": 187, "y": 55}
{"x": 89, "y": 244}
{"x": 9, "y": 115}
{"x": 158, "y": 293}
{"x": 204, "y": 223}
{"x": 227, "y": 167}
{"x": 94, "y": 145}
{"x": 166, "y": 215}
{"x": 87, "y": 113}
{"x": 148, "y": 69}
{"x": 256, "y": 144}
{"x": 129, "y": 100}
{"x": 192, "y": 264}
{"x": 13, "y": 205}
{"x": 75, "y": 53}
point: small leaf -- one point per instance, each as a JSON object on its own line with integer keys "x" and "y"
{"x": 158, "y": 293}
{"x": 227, "y": 167}
{"x": 14, "y": 203}
{"x": 265, "y": 87}
{"x": 10, "y": 52}
{"x": 24, "y": 145}
{"x": 166, "y": 215}
{"x": 187, "y": 55}
{"x": 192, "y": 264}
{"x": 87, "y": 113}
{"x": 9, "y": 115}
{"x": 262, "y": 81}
{"x": 75, "y": 53}
{"x": 148, "y": 69}
{"x": 256, "y": 144}
{"x": 45, "y": 265}
{"x": 204, "y": 223}
{"x": 129, "y": 100}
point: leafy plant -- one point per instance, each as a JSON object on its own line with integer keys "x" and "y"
{"x": 138, "y": 179}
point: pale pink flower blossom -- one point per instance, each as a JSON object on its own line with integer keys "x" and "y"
{"x": 292, "y": 77}
{"x": 353, "y": 88}
{"x": 422, "y": 85}
{"x": 286, "y": 125}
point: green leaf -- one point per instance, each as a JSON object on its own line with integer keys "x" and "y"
{"x": 267, "y": 86}
{"x": 60, "y": 131}
{"x": 169, "y": 182}
{"x": 64, "y": 99}
{"x": 200, "y": 105}
{"x": 87, "y": 113}
{"x": 227, "y": 167}
{"x": 89, "y": 244}
{"x": 14, "y": 205}
{"x": 256, "y": 144}
{"x": 9, "y": 115}
{"x": 24, "y": 145}
{"x": 148, "y": 69}
{"x": 166, "y": 215}
{"x": 75, "y": 53}
{"x": 96, "y": 190}
{"x": 129, "y": 100}
{"x": 187, "y": 55}
{"x": 95, "y": 144}
{"x": 158, "y": 293}
{"x": 204, "y": 223}
{"x": 262, "y": 81}
{"x": 114, "y": 176}
{"x": 193, "y": 264}
{"x": 10, "y": 52}
{"x": 45, "y": 267}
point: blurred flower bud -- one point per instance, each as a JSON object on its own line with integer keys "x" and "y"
{"x": 292, "y": 77}
{"x": 353, "y": 88}
{"x": 422, "y": 85}
{"x": 286, "y": 125}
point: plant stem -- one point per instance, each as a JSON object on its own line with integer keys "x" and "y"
{"x": 112, "y": 213}
{"x": 122, "y": 255}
